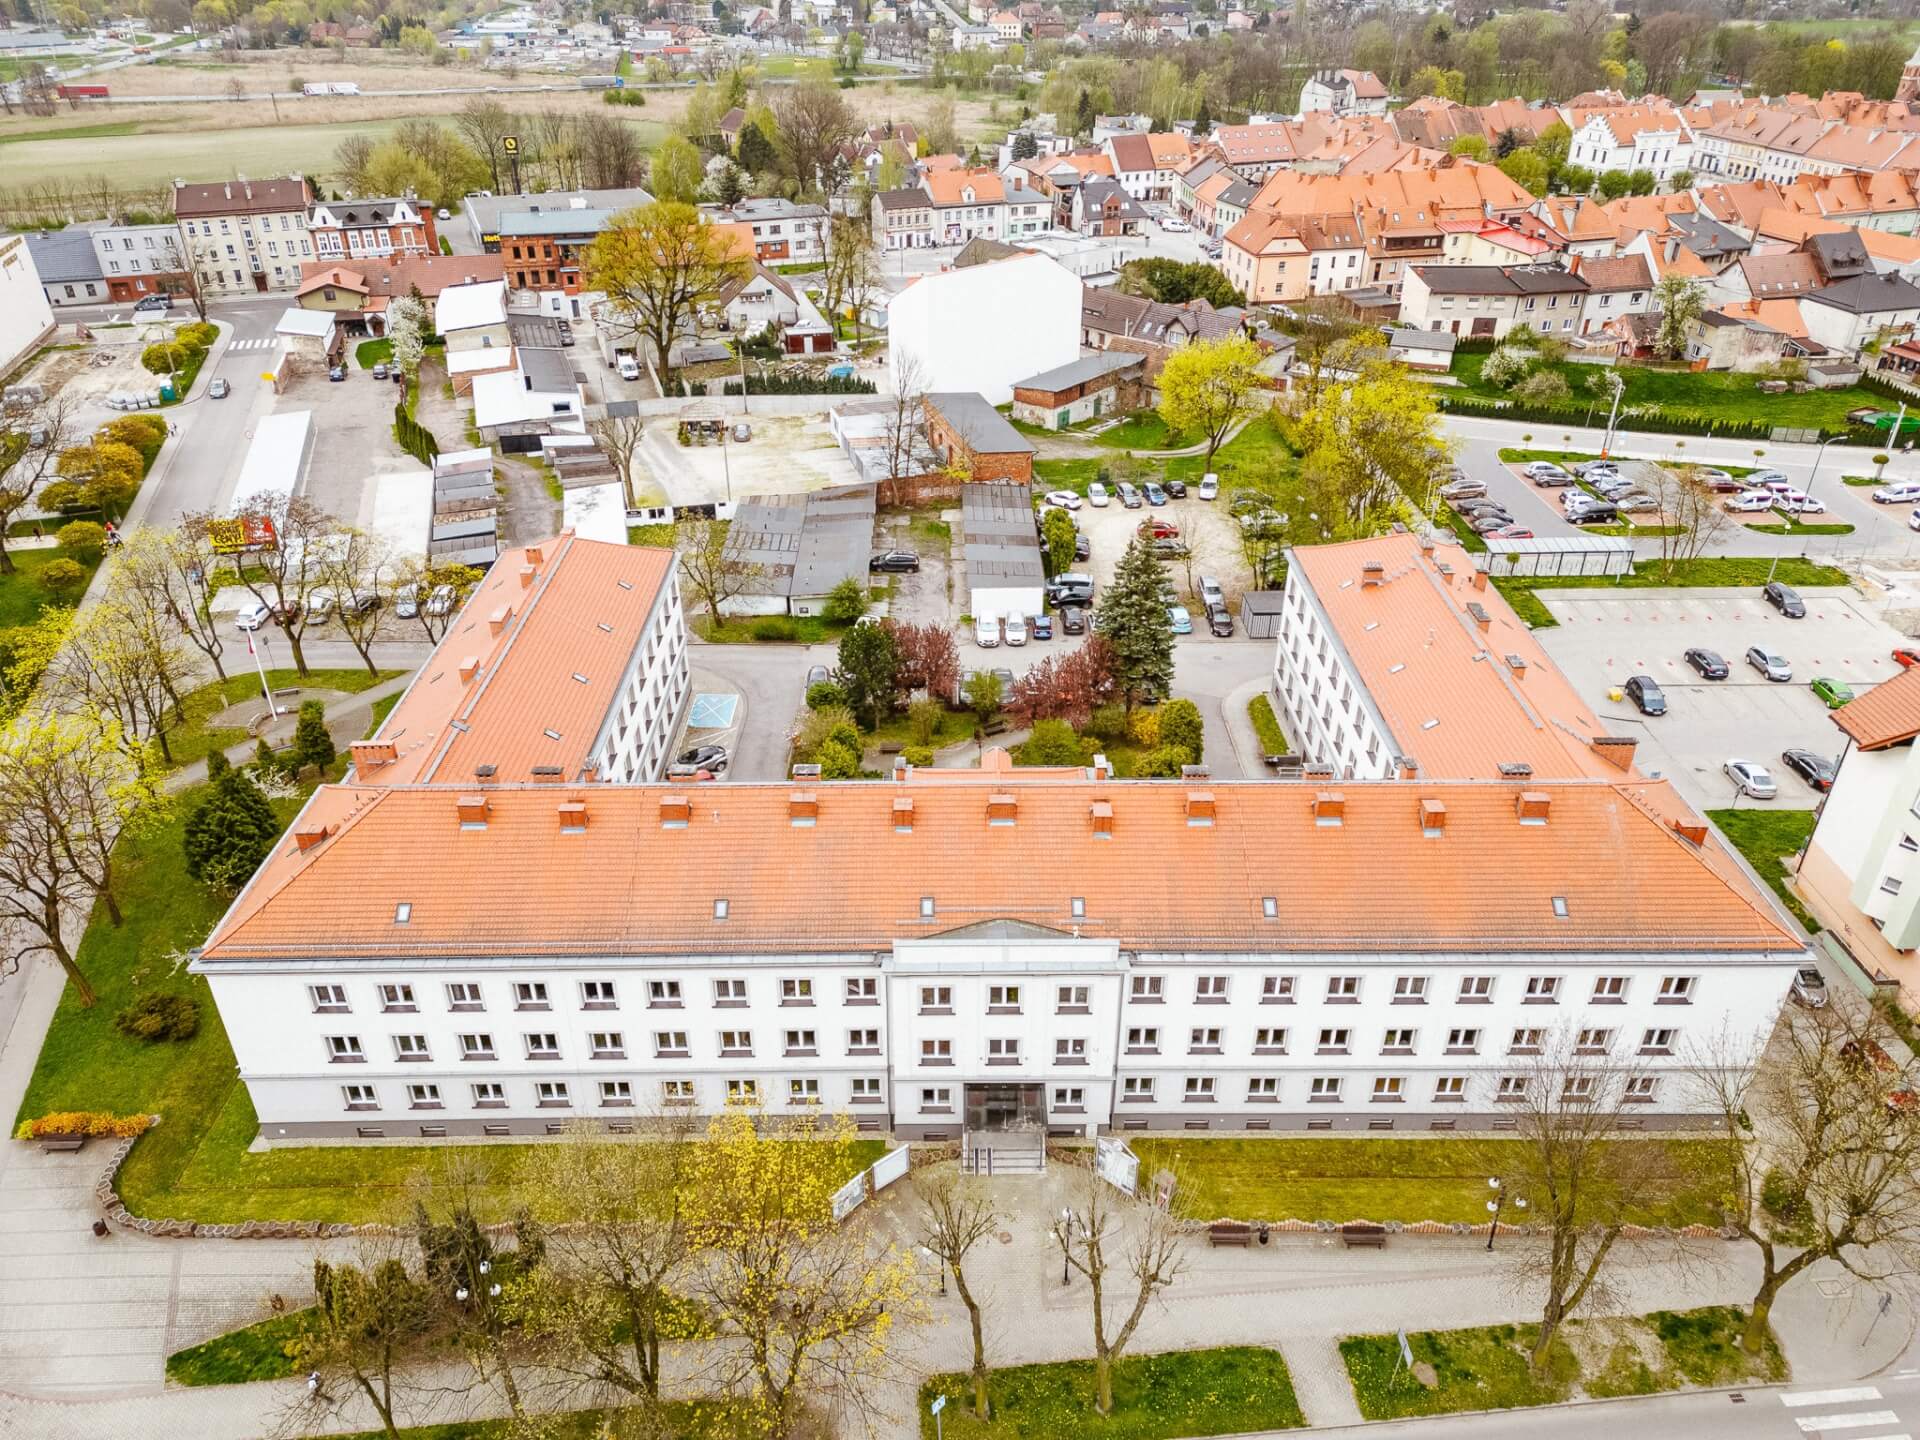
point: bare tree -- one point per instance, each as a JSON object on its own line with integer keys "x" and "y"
{"x": 483, "y": 122}
{"x": 1579, "y": 1173}
{"x": 714, "y": 573}
{"x": 1818, "y": 1151}
{"x": 126, "y": 659}
{"x": 619, "y": 437}
{"x": 284, "y": 574}
{"x": 956, "y": 1214}
{"x": 1133, "y": 1243}
{"x": 30, "y": 446}
{"x": 358, "y": 568}
{"x": 814, "y": 122}
{"x": 412, "y": 585}
{"x": 169, "y": 572}
{"x": 1691, "y": 515}
{"x": 370, "y": 1318}
{"x": 906, "y": 426}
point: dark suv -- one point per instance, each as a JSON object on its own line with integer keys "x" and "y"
{"x": 1646, "y": 695}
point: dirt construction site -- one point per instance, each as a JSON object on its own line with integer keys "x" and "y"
{"x": 89, "y": 371}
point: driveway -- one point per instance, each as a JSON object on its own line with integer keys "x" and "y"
{"x": 353, "y": 439}
{"x": 771, "y": 681}
{"x": 1605, "y": 636}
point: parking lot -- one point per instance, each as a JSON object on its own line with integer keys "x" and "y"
{"x": 1205, "y": 527}
{"x": 1604, "y": 637}
{"x": 353, "y": 423}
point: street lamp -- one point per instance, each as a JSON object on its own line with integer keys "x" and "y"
{"x": 928, "y": 1252}
{"x": 1493, "y": 1207}
{"x": 1065, "y": 1232}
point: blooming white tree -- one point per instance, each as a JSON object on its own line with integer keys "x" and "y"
{"x": 407, "y": 329}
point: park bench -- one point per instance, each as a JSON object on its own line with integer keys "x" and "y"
{"x": 1229, "y": 1232}
{"x": 52, "y": 1144}
{"x": 1364, "y": 1235}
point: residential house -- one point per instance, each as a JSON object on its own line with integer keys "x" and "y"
{"x": 1422, "y": 349}
{"x": 472, "y": 320}
{"x": 1111, "y": 320}
{"x": 1135, "y": 170}
{"x": 69, "y": 268}
{"x": 762, "y": 299}
{"x": 984, "y": 327}
{"x": 971, "y": 436}
{"x": 1265, "y": 257}
{"x": 794, "y": 549}
{"x": 1101, "y": 207}
{"x": 1344, "y": 92}
{"x": 966, "y": 203}
{"x": 26, "y": 316}
{"x": 1172, "y": 152}
{"x": 371, "y": 229}
{"x": 784, "y": 231}
{"x": 1727, "y": 339}
{"x": 1572, "y": 226}
{"x": 483, "y": 212}
{"x": 1488, "y": 300}
{"x": 1615, "y": 287}
{"x": 1845, "y": 316}
{"x": 141, "y": 260}
{"x": 1257, "y": 151}
{"x": 245, "y": 237}
{"x": 1107, "y": 383}
{"x": 1655, "y": 138}
{"x": 903, "y": 219}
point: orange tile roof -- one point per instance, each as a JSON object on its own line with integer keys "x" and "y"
{"x": 946, "y": 187}
{"x": 1777, "y": 314}
{"x": 1169, "y": 148}
{"x": 548, "y": 656}
{"x": 628, "y": 884}
{"x": 1415, "y": 197}
{"x": 1895, "y": 249}
{"x": 1887, "y": 714}
{"x": 741, "y": 245}
{"x": 1791, "y": 225}
{"x": 320, "y": 277}
{"x": 1423, "y": 658}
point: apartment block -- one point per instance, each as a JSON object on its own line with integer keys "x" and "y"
{"x": 246, "y": 237}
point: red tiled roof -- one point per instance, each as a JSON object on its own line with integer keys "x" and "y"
{"x": 1887, "y": 714}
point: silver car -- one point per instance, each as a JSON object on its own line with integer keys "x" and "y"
{"x": 1751, "y": 779}
{"x": 1773, "y": 666}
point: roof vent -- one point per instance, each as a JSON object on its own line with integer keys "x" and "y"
{"x": 469, "y": 667}
{"x": 485, "y": 772}
{"x": 1479, "y": 579}
{"x": 675, "y": 812}
{"x": 1101, "y": 768}
{"x": 548, "y": 772}
{"x": 1516, "y": 771}
{"x": 473, "y": 812}
{"x": 1001, "y": 809}
{"x": 1694, "y": 832}
{"x": 310, "y": 835}
{"x": 903, "y": 814}
{"x": 1100, "y": 815}
{"x": 1196, "y": 772}
{"x": 573, "y": 817}
{"x": 803, "y": 809}
{"x": 1433, "y": 818}
{"x": 806, "y": 772}
{"x": 1372, "y": 575}
{"x": 1200, "y": 809}
{"x": 1532, "y": 806}
{"x": 1407, "y": 767}
{"x": 1616, "y": 750}
{"x": 1518, "y": 666}
{"x": 368, "y": 753}
{"x": 1329, "y": 807}
{"x": 1479, "y": 614}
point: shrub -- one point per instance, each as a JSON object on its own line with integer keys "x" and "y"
{"x": 1180, "y": 725}
{"x": 817, "y": 727}
{"x": 838, "y": 761}
{"x": 159, "y": 1015}
{"x": 82, "y": 1122}
{"x": 1144, "y": 728}
{"x": 1542, "y": 387}
{"x": 846, "y": 602}
{"x": 917, "y": 755}
{"x": 1505, "y": 366}
{"x": 85, "y": 538}
{"x": 923, "y": 721}
{"x": 233, "y": 829}
{"x": 165, "y": 358}
{"x": 1108, "y": 722}
{"x": 1051, "y": 743}
{"x": 312, "y": 745}
{"x": 776, "y": 629}
{"x": 823, "y": 693}
{"x": 1164, "y": 763}
{"x": 145, "y": 433}
{"x": 197, "y": 336}
{"x": 63, "y": 578}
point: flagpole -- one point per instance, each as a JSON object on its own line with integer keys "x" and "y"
{"x": 266, "y": 692}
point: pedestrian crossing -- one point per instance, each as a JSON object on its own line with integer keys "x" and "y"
{"x": 266, "y": 342}
{"x": 1828, "y": 1416}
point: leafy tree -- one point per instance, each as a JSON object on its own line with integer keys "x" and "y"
{"x": 1615, "y": 183}
{"x": 1370, "y": 446}
{"x": 407, "y": 326}
{"x": 1084, "y": 115}
{"x": 868, "y": 669}
{"x": 983, "y": 695}
{"x": 1553, "y": 145}
{"x": 159, "y": 1015}
{"x": 1680, "y": 180}
{"x": 823, "y": 693}
{"x": 1108, "y": 1236}
{"x": 712, "y": 573}
{"x": 1641, "y": 182}
{"x": 1443, "y": 84}
{"x": 100, "y": 475}
{"x": 312, "y": 744}
{"x": 846, "y": 602}
{"x": 1175, "y": 282}
{"x": 815, "y": 122}
{"x": 366, "y": 1321}
{"x": 1057, "y": 538}
{"x": 1164, "y": 762}
{"x": 1474, "y": 147}
{"x": 1525, "y": 168}
{"x": 1181, "y": 726}
{"x": 929, "y": 661}
{"x": 1133, "y": 620}
{"x": 1207, "y": 387}
{"x": 838, "y": 760}
{"x": 658, "y": 265}
{"x": 1679, "y": 302}
{"x": 675, "y": 171}
{"x": 1025, "y": 147}
{"x": 1203, "y": 120}
{"x": 1575, "y": 179}
{"x": 755, "y": 151}
{"x": 1052, "y": 742}
{"x": 63, "y": 579}
{"x": 231, "y": 831}
{"x": 85, "y": 538}
{"x": 125, "y": 660}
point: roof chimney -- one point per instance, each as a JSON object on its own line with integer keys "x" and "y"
{"x": 1616, "y": 750}
{"x": 1408, "y": 767}
{"x": 803, "y": 807}
{"x": 1532, "y": 806}
{"x": 369, "y": 753}
{"x": 1002, "y": 809}
{"x": 1433, "y": 817}
{"x": 497, "y": 621}
{"x": 1101, "y": 769}
{"x": 1426, "y": 546}
{"x": 472, "y": 810}
{"x": 1329, "y": 807}
{"x": 1372, "y": 574}
{"x": 527, "y": 572}
{"x": 310, "y": 835}
{"x": 536, "y": 554}
{"x": 1694, "y": 832}
{"x": 1200, "y": 808}
{"x": 1479, "y": 579}
{"x": 903, "y": 813}
{"x": 469, "y": 667}
{"x": 1101, "y": 816}
{"x": 573, "y": 816}
{"x": 901, "y": 769}
{"x": 675, "y": 812}
{"x": 1479, "y": 614}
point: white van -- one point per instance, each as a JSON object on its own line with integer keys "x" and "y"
{"x": 629, "y": 367}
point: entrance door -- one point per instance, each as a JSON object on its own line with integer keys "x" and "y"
{"x": 1483, "y": 325}
{"x": 1004, "y": 1107}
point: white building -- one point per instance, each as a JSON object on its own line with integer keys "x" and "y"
{"x": 139, "y": 260}
{"x": 984, "y": 327}
{"x": 245, "y": 236}
{"x": 26, "y": 319}
{"x": 502, "y": 957}
{"x": 1847, "y": 315}
{"x": 1631, "y": 137}
{"x": 1343, "y": 92}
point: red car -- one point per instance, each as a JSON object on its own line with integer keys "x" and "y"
{"x": 1510, "y": 532}
{"x": 1906, "y": 656}
{"x": 1157, "y": 529}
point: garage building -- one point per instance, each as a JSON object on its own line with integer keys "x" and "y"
{"x": 1004, "y": 572}
{"x": 800, "y": 547}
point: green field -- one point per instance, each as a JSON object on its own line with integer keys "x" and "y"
{"x": 1720, "y": 394}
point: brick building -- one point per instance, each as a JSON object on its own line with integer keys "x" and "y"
{"x": 246, "y": 236}
{"x": 963, "y": 427}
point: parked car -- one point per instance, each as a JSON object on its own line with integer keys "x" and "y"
{"x": 1219, "y": 621}
{"x": 1597, "y": 513}
{"x": 1722, "y": 483}
{"x": 1706, "y": 663}
{"x": 1751, "y": 778}
{"x": 379, "y": 369}
{"x": 1913, "y": 520}
{"x": 1178, "y": 618}
{"x": 1750, "y": 501}
{"x": 1645, "y": 693}
{"x": 1209, "y": 486}
{"x": 1758, "y": 480}
{"x": 1798, "y": 502}
{"x": 1487, "y": 524}
{"x": 1082, "y": 547}
{"x": 893, "y": 562}
{"x": 1774, "y": 667}
{"x": 1809, "y": 988}
{"x": 742, "y": 432}
{"x": 219, "y": 390}
{"x": 1155, "y": 495}
{"x": 1785, "y": 599}
{"x": 986, "y": 632}
{"x": 1073, "y": 620}
{"x": 253, "y": 615}
{"x": 406, "y": 602}
{"x": 1714, "y": 476}
{"x": 1636, "y": 502}
{"x": 1905, "y": 656}
{"x": 152, "y": 304}
{"x": 1004, "y": 676}
{"x": 443, "y": 213}
{"x": 1614, "y": 486}
{"x": 1167, "y": 548}
{"x": 711, "y": 758}
{"x": 1176, "y": 488}
{"x": 1538, "y": 470}
{"x": 319, "y": 607}
{"x": 1065, "y": 499}
{"x": 1463, "y": 490}
{"x": 1016, "y": 629}
{"x": 1040, "y": 627}
{"x": 440, "y": 602}
{"x": 337, "y": 373}
{"x": 1211, "y": 591}
{"x": 1156, "y": 528}
{"x": 1814, "y": 768}
{"x": 1070, "y": 589}
{"x": 1480, "y": 507}
{"x": 1902, "y": 492}
{"x": 1129, "y": 496}
{"x": 1174, "y": 225}
{"x": 818, "y": 675}
{"x": 1510, "y": 532}
{"x": 1098, "y": 495}
{"x": 1594, "y": 469}
{"x": 1831, "y": 692}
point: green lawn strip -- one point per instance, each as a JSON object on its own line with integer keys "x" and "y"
{"x": 369, "y": 353}
{"x": 1470, "y": 540}
{"x": 1861, "y": 481}
{"x": 1567, "y": 459}
{"x": 660, "y": 535}
{"x": 1765, "y": 838}
{"x": 1628, "y": 528}
{"x": 767, "y": 630}
{"x": 1385, "y": 1178}
{"x": 1794, "y": 527}
{"x": 1487, "y": 1368}
{"x": 1225, "y": 1391}
{"x": 1266, "y": 725}
{"x": 104, "y": 131}
{"x": 1527, "y": 605}
{"x": 257, "y": 1352}
{"x": 382, "y": 708}
{"x": 930, "y": 530}
{"x": 1259, "y": 449}
{"x": 955, "y": 725}
{"x": 678, "y": 1420}
{"x": 1074, "y": 475}
{"x": 22, "y": 596}
{"x": 1707, "y": 571}
{"x": 1722, "y": 395}
{"x": 1144, "y": 431}
{"x": 195, "y": 737}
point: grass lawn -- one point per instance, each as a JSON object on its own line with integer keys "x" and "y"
{"x": 660, "y": 535}
{"x": 369, "y": 353}
{"x": 1708, "y": 571}
{"x": 21, "y": 594}
{"x": 1862, "y": 481}
{"x": 104, "y": 131}
{"x": 1144, "y": 431}
{"x": 1258, "y": 449}
{"x": 1794, "y": 527}
{"x": 195, "y": 737}
{"x": 1074, "y": 475}
{"x": 1487, "y": 1369}
{"x": 1226, "y": 1391}
{"x": 258, "y": 1352}
{"x": 1567, "y": 459}
{"x": 955, "y": 725}
{"x": 766, "y": 629}
{"x": 1627, "y": 527}
{"x": 1765, "y": 838}
{"x": 1266, "y": 725}
{"x": 382, "y": 708}
{"x": 1470, "y": 539}
{"x": 1376, "y": 1178}
{"x": 1723, "y": 395}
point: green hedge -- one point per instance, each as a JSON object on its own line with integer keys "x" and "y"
{"x": 413, "y": 437}
{"x": 1668, "y": 422}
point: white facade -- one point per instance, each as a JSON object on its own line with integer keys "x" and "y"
{"x": 1845, "y": 331}
{"x": 137, "y": 253}
{"x": 1870, "y": 828}
{"x": 245, "y": 254}
{"x": 986, "y": 326}
{"x": 26, "y": 319}
{"x": 636, "y": 737}
{"x": 1322, "y": 703}
{"x": 1663, "y": 148}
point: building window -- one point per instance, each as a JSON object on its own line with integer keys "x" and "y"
{"x": 676, "y": 1092}
{"x": 476, "y": 1047}
{"x": 1199, "y": 1089}
{"x": 862, "y": 990}
{"x": 1343, "y": 989}
{"x": 607, "y": 1045}
{"x": 1641, "y": 1089}
{"x": 863, "y": 1042}
{"x": 1324, "y": 1089}
{"x": 1334, "y": 1041}
{"x": 1527, "y": 1042}
{"x": 729, "y": 992}
{"x": 670, "y": 1044}
{"x": 1146, "y": 989}
{"x": 1276, "y": 990}
{"x": 1610, "y": 990}
{"x": 397, "y": 997}
{"x": 1594, "y": 1042}
{"x": 1577, "y": 1090}
{"x": 598, "y": 994}
{"x": 328, "y": 999}
{"x": 796, "y": 992}
{"x": 1476, "y": 989}
{"x": 743, "y": 1092}
{"x": 1409, "y": 989}
{"x": 1069, "y": 1098}
{"x": 530, "y": 995}
{"x": 866, "y": 1089}
{"x": 543, "y": 1045}
{"x": 1676, "y": 990}
{"x": 1270, "y": 1042}
{"x": 489, "y": 1095}
{"x": 550, "y": 1094}
{"x": 1388, "y": 1088}
{"x": 411, "y": 1047}
{"x": 1450, "y": 1088}
{"x": 1071, "y": 1000}
{"x": 1143, "y": 1040}
{"x": 1658, "y": 1041}
{"x": 1543, "y": 990}
{"x": 1210, "y": 990}
{"x": 616, "y": 1092}
{"x": 344, "y": 1048}
{"x": 1069, "y": 1050}
{"x": 1003, "y": 999}
{"x": 936, "y": 1099}
{"x": 1512, "y": 1088}
{"x": 936, "y": 1052}
{"x": 1263, "y": 1089}
{"x": 803, "y": 1092}
{"x": 1137, "y": 1088}
{"x": 736, "y": 1043}
{"x": 802, "y": 1042}
{"x": 359, "y": 1097}
{"x": 936, "y": 999}
{"x": 1397, "y": 1042}
{"x": 423, "y": 1097}
{"x": 1203, "y": 1041}
{"x": 1003, "y": 1052}
{"x": 464, "y": 995}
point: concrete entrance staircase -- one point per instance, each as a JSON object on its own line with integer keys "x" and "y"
{"x": 1004, "y": 1152}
